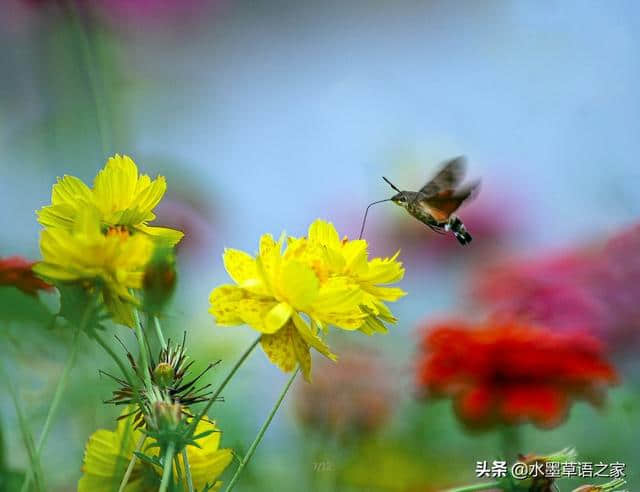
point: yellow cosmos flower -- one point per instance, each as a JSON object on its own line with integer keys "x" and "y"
{"x": 287, "y": 295}
{"x": 107, "y": 456}
{"x": 108, "y": 453}
{"x": 113, "y": 263}
{"x": 350, "y": 259}
{"x": 123, "y": 198}
{"x": 208, "y": 461}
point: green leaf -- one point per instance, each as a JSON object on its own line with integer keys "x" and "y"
{"x": 204, "y": 434}
{"x": 11, "y": 480}
{"x": 74, "y": 300}
{"x": 15, "y": 305}
{"x": 151, "y": 460}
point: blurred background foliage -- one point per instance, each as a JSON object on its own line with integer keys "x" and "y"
{"x": 266, "y": 115}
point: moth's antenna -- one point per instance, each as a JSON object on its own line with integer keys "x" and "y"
{"x": 392, "y": 185}
{"x": 367, "y": 211}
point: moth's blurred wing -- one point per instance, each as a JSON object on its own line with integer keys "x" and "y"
{"x": 442, "y": 205}
{"x": 447, "y": 178}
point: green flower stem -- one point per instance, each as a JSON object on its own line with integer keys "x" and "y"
{"x": 62, "y": 384}
{"x": 187, "y": 468}
{"x": 129, "y": 471}
{"x": 57, "y": 396}
{"x": 262, "y": 431}
{"x": 237, "y": 365}
{"x": 95, "y": 86}
{"x": 167, "y": 467}
{"x": 142, "y": 346}
{"x": 156, "y": 324}
{"x": 176, "y": 462}
{"x": 480, "y": 486}
{"x": 27, "y": 435}
{"x": 511, "y": 442}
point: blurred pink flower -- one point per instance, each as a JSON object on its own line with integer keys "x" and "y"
{"x": 591, "y": 289}
{"x": 192, "y": 219}
{"x": 351, "y": 397}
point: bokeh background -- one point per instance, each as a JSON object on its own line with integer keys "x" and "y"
{"x": 266, "y": 115}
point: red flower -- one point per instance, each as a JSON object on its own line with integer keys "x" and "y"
{"x": 505, "y": 372}
{"x": 16, "y": 271}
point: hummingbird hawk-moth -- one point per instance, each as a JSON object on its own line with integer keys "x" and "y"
{"x": 435, "y": 203}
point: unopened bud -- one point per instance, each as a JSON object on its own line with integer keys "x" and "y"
{"x": 562, "y": 456}
{"x": 605, "y": 487}
{"x": 159, "y": 279}
{"x": 542, "y": 482}
{"x": 164, "y": 374}
{"x": 167, "y": 415}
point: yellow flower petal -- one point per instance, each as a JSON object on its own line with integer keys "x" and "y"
{"x": 207, "y": 462}
{"x": 69, "y": 190}
{"x": 57, "y": 215}
{"x": 231, "y": 305}
{"x": 385, "y": 293}
{"x": 52, "y": 271}
{"x": 384, "y": 271}
{"x": 298, "y": 284}
{"x": 324, "y": 233}
{"x": 164, "y": 235}
{"x": 338, "y": 294}
{"x": 355, "y": 254}
{"x": 224, "y": 305}
{"x": 372, "y": 324}
{"x": 114, "y": 184}
{"x": 121, "y": 311}
{"x": 113, "y": 264}
{"x": 269, "y": 259}
{"x": 254, "y": 310}
{"x": 121, "y": 196}
{"x": 147, "y": 195}
{"x": 107, "y": 456}
{"x": 68, "y": 196}
{"x": 286, "y": 349}
{"x": 277, "y": 316}
{"x": 312, "y": 339}
{"x": 239, "y": 265}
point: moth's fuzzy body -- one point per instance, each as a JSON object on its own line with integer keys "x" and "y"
{"x": 435, "y": 202}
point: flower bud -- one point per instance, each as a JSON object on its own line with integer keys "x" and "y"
{"x": 159, "y": 279}
{"x": 605, "y": 487}
{"x": 540, "y": 481}
{"x": 562, "y": 456}
{"x": 164, "y": 374}
{"x": 167, "y": 415}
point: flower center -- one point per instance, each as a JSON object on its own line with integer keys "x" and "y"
{"x": 118, "y": 230}
{"x": 320, "y": 270}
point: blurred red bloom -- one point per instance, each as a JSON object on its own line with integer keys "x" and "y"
{"x": 16, "y": 271}
{"x": 508, "y": 372}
